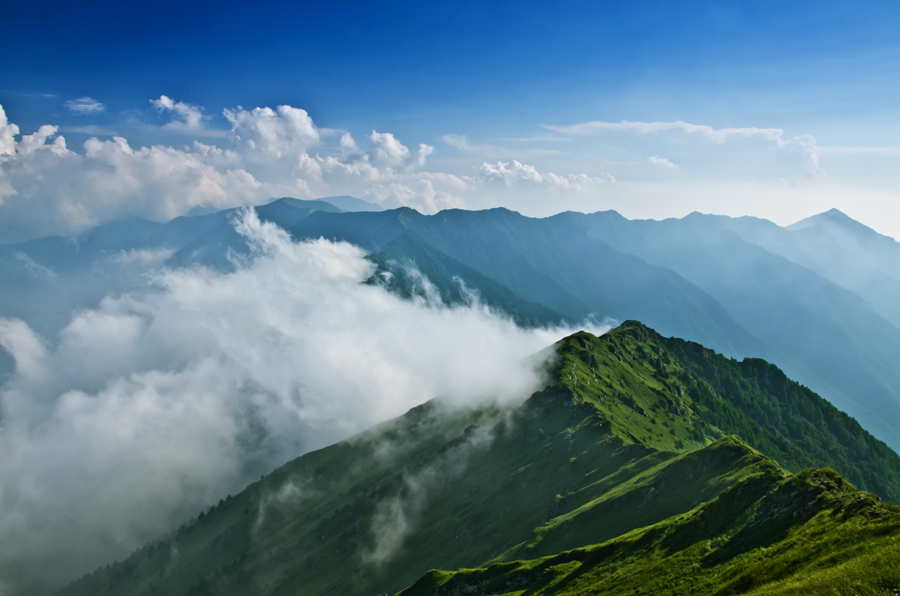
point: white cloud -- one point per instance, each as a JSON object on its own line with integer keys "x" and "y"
{"x": 514, "y": 172}
{"x": 461, "y": 142}
{"x": 37, "y": 141}
{"x": 188, "y": 117}
{"x": 510, "y": 172}
{"x": 845, "y": 150}
{"x": 285, "y": 130}
{"x": 45, "y": 188}
{"x": 484, "y": 150}
{"x": 8, "y": 132}
{"x": 91, "y": 129}
{"x": 85, "y": 105}
{"x": 748, "y": 152}
{"x": 662, "y": 162}
{"x": 392, "y": 153}
{"x": 49, "y": 189}
{"x": 163, "y": 401}
{"x": 718, "y": 135}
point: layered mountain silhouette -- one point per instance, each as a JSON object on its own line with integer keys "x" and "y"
{"x": 645, "y": 464}
{"x": 818, "y": 299}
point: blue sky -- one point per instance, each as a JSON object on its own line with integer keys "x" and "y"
{"x": 774, "y": 109}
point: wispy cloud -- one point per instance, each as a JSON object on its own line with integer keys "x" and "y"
{"x": 849, "y": 150}
{"x": 85, "y": 105}
{"x": 484, "y": 150}
{"x": 90, "y": 129}
{"x": 718, "y": 135}
{"x": 662, "y": 162}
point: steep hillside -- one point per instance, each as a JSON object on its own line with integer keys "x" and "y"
{"x": 810, "y": 533}
{"x": 631, "y": 430}
{"x": 678, "y": 395}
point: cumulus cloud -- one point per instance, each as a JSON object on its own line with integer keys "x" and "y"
{"x": 277, "y": 132}
{"x": 85, "y": 105}
{"x": 162, "y": 401}
{"x": 8, "y": 132}
{"x": 55, "y": 189}
{"x": 510, "y": 172}
{"x": 47, "y": 188}
{"x": 392, "y": 153}
{"x": 188, "y": 117}
{"x": 388, "y": 172}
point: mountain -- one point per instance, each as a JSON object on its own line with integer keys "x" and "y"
{"x": 817, "y": 299}
{"x": 837, "y": 248}
{"x": 46, "y": 279}
{"x": 821, "y": 333}
{"x": 632, "y": 430}
{"x": 694, "y": 278}
{"x": 348, "y": 203}
{"x": 809, "y": 533}
{"x": 540, "y": 261}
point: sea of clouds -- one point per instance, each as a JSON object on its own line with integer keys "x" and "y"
{"x": 160, "y": 401}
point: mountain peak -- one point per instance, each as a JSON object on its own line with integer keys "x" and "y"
{"x": 836, "y": 221}
{"x": 832, "y": 217}
{"x": 673, "y": 395}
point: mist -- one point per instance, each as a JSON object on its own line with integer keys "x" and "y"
{"x": 159, "y": 402}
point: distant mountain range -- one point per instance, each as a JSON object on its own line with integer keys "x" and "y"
{"x": 646, "y": 465}
{"x": 818, "y": 299}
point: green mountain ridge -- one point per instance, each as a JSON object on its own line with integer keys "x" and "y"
{"x": 808, "y": 533}
{"x": 633, "y": 430}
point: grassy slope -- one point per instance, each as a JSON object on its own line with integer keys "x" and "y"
{"x": 810, "y": 533}
{"x": 468, "y": 493}
{"x": 678, "y": 395}
{"x": 611, "y": 446}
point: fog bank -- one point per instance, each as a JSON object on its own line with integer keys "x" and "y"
{"x": 160, "y": 402}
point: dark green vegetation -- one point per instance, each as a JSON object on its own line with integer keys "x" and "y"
{"x": 632, "y": 434}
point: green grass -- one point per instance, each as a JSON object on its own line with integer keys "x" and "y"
{"x": 670, "y": 394}
{"x": 811, "y": 533}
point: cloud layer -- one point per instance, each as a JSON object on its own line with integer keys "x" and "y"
{"x": 158, "y": 403}
{"x": 48, "y": 188}
{"x": 249, "y": 156}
